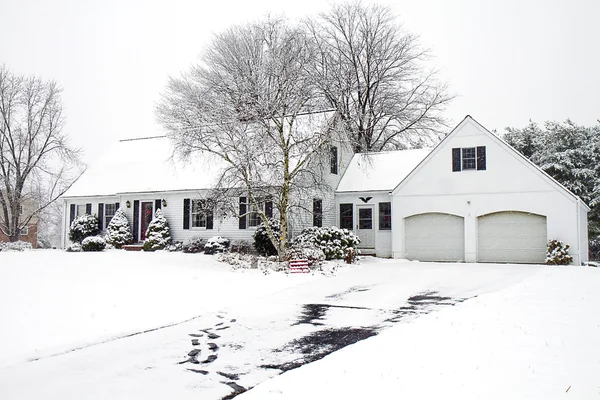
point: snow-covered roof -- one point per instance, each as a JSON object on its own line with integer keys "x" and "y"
{"x": 144, "y": 165}
{"x": 380, "y": 171}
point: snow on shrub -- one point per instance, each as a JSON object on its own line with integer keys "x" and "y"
{"x": 216, "y": 244}
{"x": 241, "y": 246}
{"x": 158, "y": 235}
{"x": 175, "y": 246}
{"x": 118, "y": 232}
{"x": 93, "y": 243}
{"x": 307, "y": 251}
{"x": 558, "y": 253}
{"x": 82, "y": 227}
{"x": 332, "y": 241}
{"x": 193, "y": 245}
{"x": 73, "y": 248}
{"x": 19, "y": 245}
{"x": 262, "y": 242}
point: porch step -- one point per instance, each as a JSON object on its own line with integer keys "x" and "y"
{"x": 133, "y": 247}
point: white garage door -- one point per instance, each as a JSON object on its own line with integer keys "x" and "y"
{"x": 512, "y": 237}
{"x": 435, "y": 237}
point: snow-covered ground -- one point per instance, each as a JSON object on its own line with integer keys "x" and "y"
{"x": 441, "y": 330}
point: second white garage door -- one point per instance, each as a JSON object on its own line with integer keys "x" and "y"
{"x": 512, "y": 237}
{"x": 435, "y": 237}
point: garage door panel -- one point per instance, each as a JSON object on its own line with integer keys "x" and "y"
{"x": 512, "y": 236}
{"x": 434, "y": 237}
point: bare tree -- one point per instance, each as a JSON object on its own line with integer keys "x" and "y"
{"x": 372, "y": 73}
{"x": 250, "y": 103}
{"x": 36, "y": 162}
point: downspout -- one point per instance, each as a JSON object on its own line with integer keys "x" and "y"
{"x": 63, "y": 233}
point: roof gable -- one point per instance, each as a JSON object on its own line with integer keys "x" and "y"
{"x": 507, "y": 170}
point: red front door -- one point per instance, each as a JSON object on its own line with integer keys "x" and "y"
{"x": 146, "y": 218}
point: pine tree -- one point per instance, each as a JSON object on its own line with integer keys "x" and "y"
{"x": 158, "y": 235}
{"x": 118, "y": 232}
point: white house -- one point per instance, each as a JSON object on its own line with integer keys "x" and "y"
{"x": 472, "y": 198}
{"x": 140, "y": 176}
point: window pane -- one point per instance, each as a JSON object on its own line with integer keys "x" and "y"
{"x": 385, "y": 216}
{"x": 80, "y": 209}
{"x": 198, "y": 214}
{"x": 365, "y": 218}
{"x": 334, "y": 160}
{"x": 468, "y": 158}
{"x": 317, "y": 212}
{"x": 346, "y": 216}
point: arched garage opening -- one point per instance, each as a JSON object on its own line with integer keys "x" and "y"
{"x": 511, "y": 237}
{"x": 435, "y": 237}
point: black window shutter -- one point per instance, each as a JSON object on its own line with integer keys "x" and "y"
{"x": 156, "y": 205}
{"x": 242, "y": 224}
{"x": 269, "y": 209}
{"x": 209, "y": 220}
{"x": 186, "y": 213}
{"x": 101, "y": 216}
{"x": 88, "y": 208}
{"x": 136, "y": 220}
{"x": 117, "y": 206}
{"x": 72, "y": 216}
{"x": 456, "y": 159}
{"x": 481, "y": 158}
{"x": 317, "y": 212}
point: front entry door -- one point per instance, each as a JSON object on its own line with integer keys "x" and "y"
{"x": 365, "y": 227}
{"x": 146, "y": 218}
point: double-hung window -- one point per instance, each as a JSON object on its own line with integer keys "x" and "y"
{"x": 109, "y": 212}
{"x": 199, "y": 213}
{"x": 469, "y": 158}
{"x": 385, "y": 216}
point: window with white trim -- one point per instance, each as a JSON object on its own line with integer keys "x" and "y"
{"x": 80, "y": 210}
{"x": 254, "y": 216}
{"x": 468, "y": 158}
{"x": 109, "y": 213}
{"x": 24, "y": 231}
{"x": 199, "y": 213}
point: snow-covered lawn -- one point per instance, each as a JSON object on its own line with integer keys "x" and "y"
{"x": 441, "y": 330}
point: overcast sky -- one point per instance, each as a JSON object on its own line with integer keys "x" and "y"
{"x": 508, "y": 61}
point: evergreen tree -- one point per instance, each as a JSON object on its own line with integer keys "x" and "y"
{"x": 570, "y": 154}
{"x": 118, "y": 232}
{"x": 158, "y": 235}
{"x": 82, "y": 227}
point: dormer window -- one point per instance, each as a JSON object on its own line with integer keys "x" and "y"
{"x": 468, "y": 158}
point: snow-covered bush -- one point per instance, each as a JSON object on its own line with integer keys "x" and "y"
{"x": 118, "y": 232}
{"x": 262, "y": 242}
{"x": 73, "y": 248}
{"x": 93, "y": 243}
{"x": 82, "y": 227}
{"x": 175, "y": 246}
{"x": 241, "y": 246}
{"x": 158, "y": 235}
{"x": 351, "y": 255}
{"x": 216, "y": 244}
{"x": 558, "y": 253}
{"x": 308, "y": 251}
{"x": 19, "y": 245}
{"x": 332, "y": 241}
{"x": 193, "y": 245}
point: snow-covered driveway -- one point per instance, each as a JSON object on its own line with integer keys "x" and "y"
{"x": 242, "y": 327}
